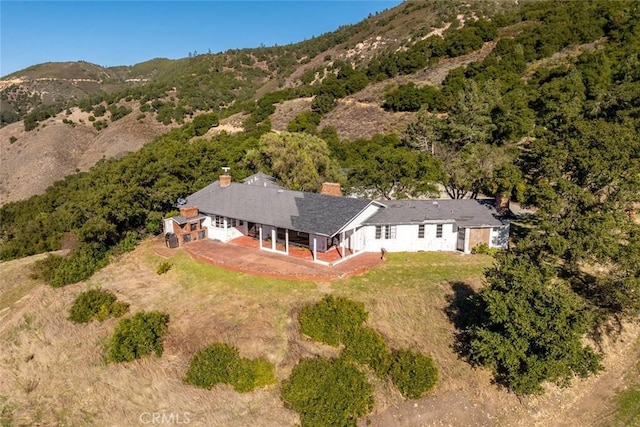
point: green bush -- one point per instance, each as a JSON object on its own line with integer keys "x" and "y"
{"x": 78, "y": 266}
{"x": 45, "y": 268}
{"x": 483, "y": 248}
{"x": 413, "y": 373}
{"x": 248, "y": 374}
{"x": 367, "y": 347}
{"x": 327, "y": 392}
{"x": 163, "y": 267}
{"x": 138, "y": 336}
{"x": 210, "y": 366}
{"x": 221, "y": 364}
{"x": 12, "y": 139}
{"x": 332, "y": 319}
{"x": 96, "y": 304}
{"x": 59, "y": 271}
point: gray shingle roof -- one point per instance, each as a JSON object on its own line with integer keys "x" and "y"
{"x": 295, "y": 210}
{"x": 261, "y": 180}
{"x": 464, "y": 212}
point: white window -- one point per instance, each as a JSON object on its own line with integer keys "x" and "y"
{"x": 231, "y": 222}
{"x": 219, "y": 221}
{"x": 390, "y": 232}
{"x": 421, "y": 231}
{"x": 385, "y": 232}
{"x": 439, "y": 231}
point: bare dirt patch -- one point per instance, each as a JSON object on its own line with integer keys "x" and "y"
{"x": 287, "y": 111}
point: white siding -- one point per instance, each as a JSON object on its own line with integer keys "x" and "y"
{"x": 168, "y": 225}
{"x": 499, "y": 237}
{"x": 406, "y": 239}
{"x": 223, "y": 234}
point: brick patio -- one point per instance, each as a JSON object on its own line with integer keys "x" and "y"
{"x": 251, "y": 260}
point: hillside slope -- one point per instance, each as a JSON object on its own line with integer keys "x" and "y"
{"x": 38, "y": 158}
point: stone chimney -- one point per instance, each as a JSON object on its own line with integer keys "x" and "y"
{"x": 189, "y": 211}
{"x": 225, "y": 180}
{"x": 331, "y": 189}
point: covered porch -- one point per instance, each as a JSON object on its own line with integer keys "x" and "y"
{"x": 302, "y": 245}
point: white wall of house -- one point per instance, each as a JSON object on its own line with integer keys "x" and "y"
{"x": 406, "y": 238}
{"x": 226, "y": 231}
{"x": 500, "y": 237}
{"x": 168, "y": 225}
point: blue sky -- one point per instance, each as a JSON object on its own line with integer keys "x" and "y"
{"x": 112, "y": 33}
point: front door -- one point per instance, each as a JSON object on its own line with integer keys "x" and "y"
{"x": 461, "y": 233}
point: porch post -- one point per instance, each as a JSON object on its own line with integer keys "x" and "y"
{"x": 342, "y": 244}
{"x": 286, "y": 241}
{"x": 274, "y": 236}
{"x": 315, "y": 253}
{"x": 467, "y": 234}
{"x": 260, "y": 234}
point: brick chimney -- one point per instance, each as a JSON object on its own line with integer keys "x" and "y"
{"x": 189, "y": 211}
{"x": 225, "y": 180}
{"x": 331, "y": 189}
{"x": 502, "y": 204}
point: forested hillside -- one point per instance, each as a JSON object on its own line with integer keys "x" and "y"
{"x": 549, "y": 117}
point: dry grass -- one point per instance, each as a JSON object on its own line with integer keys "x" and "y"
{"x": 53, "y": 371}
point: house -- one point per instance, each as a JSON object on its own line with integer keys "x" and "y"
{"x": 279, "y": 218}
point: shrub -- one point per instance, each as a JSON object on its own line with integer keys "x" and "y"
{"x": 246, "y": 374}
{"x": 92, "y": 119}
{"x": 126, "y": 244}
{"x": 332, "y": 319}
{"x": 483, "y": 248}
{"x": 96, "y": 304}
{"x": 327, "y": 392}
{"x": 45, "y": 268}
{"x": 138, "y": 336}
{"x": 141, "y": 116}
{"x": 413, "y": 373}
{"x": 367, "y": 347}
{"x": 78, "y": 266}
{"x": 163, "y": 267}
{"x": 210, "y": 366}
{"x": 221, "y": 364}
{"x": 12, "y": 139}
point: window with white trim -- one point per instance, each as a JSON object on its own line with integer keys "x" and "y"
{"x": 438, "y": 231}
{"x": 420, "y": 231}
{"x": 231, "y": 222}
{"x": 385, "y": 232}
{"x": 390, "y": 232}
{"x": 219, "y": 221}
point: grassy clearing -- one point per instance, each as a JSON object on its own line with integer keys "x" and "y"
{"x": 628, "y": 401}
{"x": 15, "y": 282}
{"x": 406, "y": 298}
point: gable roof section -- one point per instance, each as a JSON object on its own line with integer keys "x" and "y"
{"x": 464, "y": 212}
{"x": 295, "y": 210}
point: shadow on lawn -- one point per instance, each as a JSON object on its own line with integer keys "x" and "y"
{"x": 463, "y": 310}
